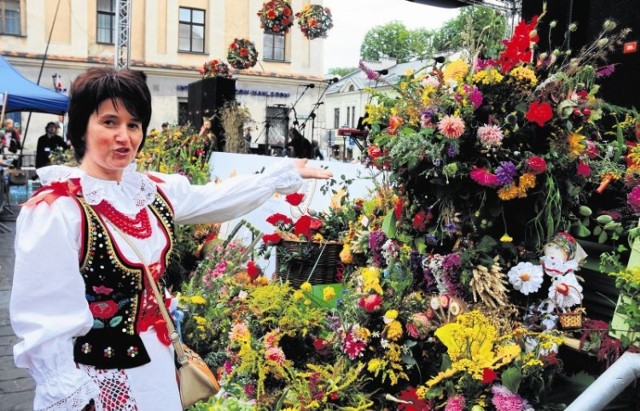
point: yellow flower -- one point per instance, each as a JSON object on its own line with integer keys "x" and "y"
{"x": 394, "y": 330}
{"x": 371, "y": 280}
{"x": 328, "y": 294}
{"x": 524, "y": 74}
{"x": 488, "y": 76}
{"x": 408, "y": 72}
{"x": 506, "y": 238}
{"x": 345, "y": 255}
{"x": 198, "y": 300}
{"x": 306, "y": 287}
{"x": 509, "y": 192}
{"x": 456, "y": 70}
{"x": 527, "y": 181}
{"x": 375, "y": 365}
{"x": 575, "y": 143}
{"x": 200, "y": 320}
{"x": 318, "y": 237}
{"x": 298, "y": 295}
{"x": 390, "y": 316}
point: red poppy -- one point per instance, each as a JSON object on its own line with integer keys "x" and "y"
{"x": 278, "y": 218}
{"x": 271, "y": 238}
{"x": 253, "y": 270}
{"x": 103, "y": 309}
{"x": 421, "y": 219}
{"x": 539, "y": 113}
{"x": 488, "y": 376}
{"x": 306, "y": 225}
{"x": 412, "y": 402}
{"x": 294, "y": 198}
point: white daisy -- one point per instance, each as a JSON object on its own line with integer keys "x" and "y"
{"x": 526, "y": 277}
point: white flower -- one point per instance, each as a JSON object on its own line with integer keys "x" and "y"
{"x": 565, "y": 291}
{"x": 526, "y": 277}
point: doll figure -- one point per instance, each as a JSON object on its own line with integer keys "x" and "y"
{"x": 562, "y": 257}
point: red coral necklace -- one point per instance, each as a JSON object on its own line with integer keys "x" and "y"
{"x": 138, "y": 226}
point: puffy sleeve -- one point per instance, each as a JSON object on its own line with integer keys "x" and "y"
{"x": 48, "y": 308}
{"x": 233, "y": 198}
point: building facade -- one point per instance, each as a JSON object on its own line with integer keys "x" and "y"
{"x": 169, "y": 40}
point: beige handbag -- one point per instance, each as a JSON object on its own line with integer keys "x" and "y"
{"x": 195, "y": 380}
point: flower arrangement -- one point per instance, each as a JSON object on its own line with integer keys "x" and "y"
{"x": 276, "y": 16}
{"x": 215, "y": 68}
{"x": 242, "y": 54}
{"x": 314, "y": 21}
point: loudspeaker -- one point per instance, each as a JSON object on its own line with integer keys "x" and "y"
{"x": 622, "y": 88}
{"x": 206, "y": 96}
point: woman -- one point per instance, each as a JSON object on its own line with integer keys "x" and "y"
{"x": 91, "y": 334}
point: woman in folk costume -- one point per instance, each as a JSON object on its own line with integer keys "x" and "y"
{"x": 90, "y": 330}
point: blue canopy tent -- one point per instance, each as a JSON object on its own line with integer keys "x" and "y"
{"x": 21, "y": 94}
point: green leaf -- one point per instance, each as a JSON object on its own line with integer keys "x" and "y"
{"x": 115, "y": 321}
{"x": 389, "y": 224}
{"x": 511, "y": 379}
{"x": 603, "y": 237}
{"x": 97, "y": 324}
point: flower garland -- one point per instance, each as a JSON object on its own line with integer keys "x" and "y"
{"x": 276, "y": 16}
{"x": 215, "y": 68}
{"x": 242, "y": 54}
{"x": 314, "y": 21}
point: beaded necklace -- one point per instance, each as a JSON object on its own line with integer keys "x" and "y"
{"x": 138, "y": 226}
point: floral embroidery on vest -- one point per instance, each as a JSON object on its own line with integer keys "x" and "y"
{"x": 116, "y": 293}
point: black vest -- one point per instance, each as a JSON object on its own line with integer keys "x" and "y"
{"x": 114, "y": 290}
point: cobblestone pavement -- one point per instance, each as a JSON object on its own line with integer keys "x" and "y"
{"x": 16, "y": 385}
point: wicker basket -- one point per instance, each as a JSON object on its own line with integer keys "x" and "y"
{"x": 571, "y": 320}
{"x": 314, "y": 262}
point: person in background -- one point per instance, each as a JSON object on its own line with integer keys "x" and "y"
{"x": 300, "y": 146}
{"x": 48, "y": 143}
{"x": 89, "y": 328}
{"x": 11, "y": 137}
{"x": 165, "y": 126}
{"x": 61, "y": 128}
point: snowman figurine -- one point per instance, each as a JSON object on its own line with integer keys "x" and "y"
{"x": 562, "y": 257}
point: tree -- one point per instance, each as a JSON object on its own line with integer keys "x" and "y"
{"x": 342, "y": 71}
{"x": 395, "y": 41}
{"x": 476, "y": 28}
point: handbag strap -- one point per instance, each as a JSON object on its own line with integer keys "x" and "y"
{"x": 173, "y": 334}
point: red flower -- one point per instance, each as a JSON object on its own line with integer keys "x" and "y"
{"x": 488, "y": 376}
{"x": 421, "y": 219}
{"x": 103, "y": 309}
{"x": 321, "y": 346}
{"x": 306, "y": 225}
{"x": 271, "y": 238}
{"x": 371, "y": 303}
{"x": 243, "y": 52}
{"x": 294, "y": 199}
{"x": 539, "y": 113}
{"x": 394, "y": 123}
{"x": 397, "y": 209}
{"x": 278, "y": 218}
{"x": 271, "y": 14}
{"x": 536, "y": 165}
{"x": 253, "y": 270}
{"x": 583, "y": 169}
{"x": 414, "y": 403}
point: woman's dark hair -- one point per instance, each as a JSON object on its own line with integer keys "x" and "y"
{"x": 96, "y": 85}
{"x": 51, "y": 123}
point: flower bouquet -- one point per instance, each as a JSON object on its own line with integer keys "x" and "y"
{"x": 276, "y": 16}
{"x": 215, "y": 68}
{"x": 242, "y": 54}
{"x": 314, "y": 21}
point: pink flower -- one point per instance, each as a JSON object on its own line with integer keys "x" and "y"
{"x": 276, "y": 355}
{"x": 583, "y": 169}
{"x": 451, "y": 127}
{"x": 418, "y": 326}
{"x": 371, "y": 303}
{"x": 490, "y": 135}
{"x": 455, "y": 403}
{"x": 505, "y": 400}
{"x": 483, "y": 177}
{"x": 633, "y": 200}
{"x": 352, "y": 346}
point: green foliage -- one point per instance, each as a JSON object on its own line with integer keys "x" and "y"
{"x": 342, "y": 71}
{"x": 394, "y": 41}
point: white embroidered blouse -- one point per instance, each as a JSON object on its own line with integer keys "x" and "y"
{"x": 48, "y": 308}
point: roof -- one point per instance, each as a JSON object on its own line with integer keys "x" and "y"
{"x": 25, "y": 95}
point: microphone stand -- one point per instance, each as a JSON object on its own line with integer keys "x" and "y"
{"x": 293, "y": 108}
{"x": 312, "y": 115}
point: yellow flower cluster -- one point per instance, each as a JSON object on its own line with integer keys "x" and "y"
{"x": 371, "y": 280}
{"x": 456, "y": 70}
{"x": 488, "y": 77}
{"x": 525, "y": 75}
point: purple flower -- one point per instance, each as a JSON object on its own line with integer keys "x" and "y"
{"x": 452, "y": 150}
{"x": 505, "y": 172}
{"x": 455, "y": 403}
{"x": 605, "y": 71}
{"x": 505, "y": 400}
{"x": 376, "y": 241}
{"x": 475, "y": 96}
{"x": 371, "y": 74}
{"x": 451, "y": 274}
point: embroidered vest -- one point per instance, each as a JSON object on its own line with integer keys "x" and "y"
{"x": 117, "y": 295}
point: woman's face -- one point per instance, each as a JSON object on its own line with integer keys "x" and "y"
{"x": 112, "y": 140}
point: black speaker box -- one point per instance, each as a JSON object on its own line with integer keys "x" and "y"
{"x": 623, "y": 87}
{"x": 206, "y": 96}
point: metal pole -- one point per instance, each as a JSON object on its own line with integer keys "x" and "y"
{"x": 609, "y": 385}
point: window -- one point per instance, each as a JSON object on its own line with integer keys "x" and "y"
{"x": 336, "y": 118}
{"x": 106, "y": 21}
{"x": 183, "y": 113}
{"x": 191, "y": 30}
{"x": 353, "y": 117}
{"x": 10, "y": 17}
{"x": 274, "y": 46}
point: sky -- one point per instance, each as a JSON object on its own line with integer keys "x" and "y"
{"x": 352, "y": 19}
